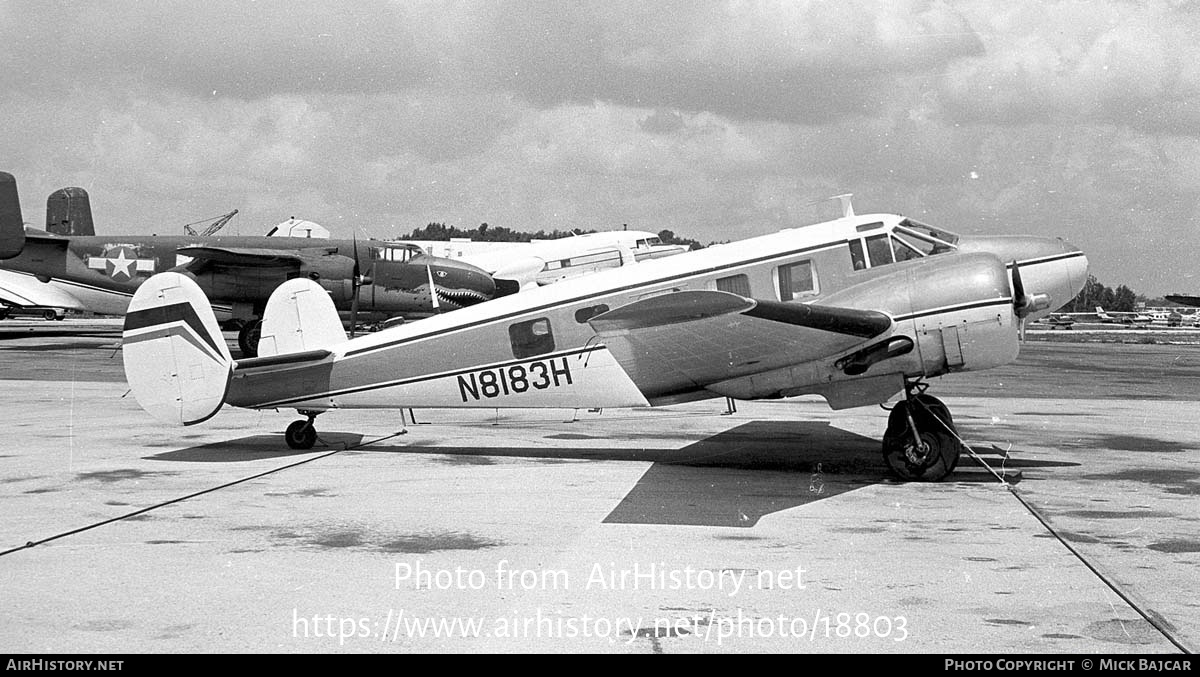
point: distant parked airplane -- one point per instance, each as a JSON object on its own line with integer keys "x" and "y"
{"x": 1136, "y": 320}
{"x": 100, "y": 273}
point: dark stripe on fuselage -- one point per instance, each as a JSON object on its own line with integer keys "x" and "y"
{"x": 176, "y": 312}
{"x": 1044, "y": 259}
{"x": 431, "y": 377}
{"x": 605, "y": 292}
{"x": 954, "y": 309}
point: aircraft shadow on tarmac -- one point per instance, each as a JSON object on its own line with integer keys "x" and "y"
{"x": 253, "y": 448}
{"x": 732, "y": 478}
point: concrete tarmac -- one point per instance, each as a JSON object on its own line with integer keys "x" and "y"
{"x": 682, "y": 529}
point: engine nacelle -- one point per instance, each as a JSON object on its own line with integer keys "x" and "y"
{"x": 334, "y": 273}
{"x": 958, "y": 310}
{"x": 951, "y": 313}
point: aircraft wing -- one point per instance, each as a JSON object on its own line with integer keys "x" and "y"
{"x": 711, "y": 336}
{"x": 253, "y": 256}
{"x": 20, "y": 289}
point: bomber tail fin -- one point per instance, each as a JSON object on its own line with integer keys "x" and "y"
{"x": 299, "y": 317}
{"x": 69, "y": 212}
{"x": 176, "y": 360}
{"x": 12, "y": 226}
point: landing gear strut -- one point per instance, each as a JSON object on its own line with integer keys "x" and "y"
{"x": 920, "y": 442}
{"x": 302, "y": 434}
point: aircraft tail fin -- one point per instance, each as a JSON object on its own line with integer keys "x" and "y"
{"x": 69, "y": 212}
{"x": 12, "y": 226}
{"x": 176, "y": 360}
{"x": 299, "y": 317}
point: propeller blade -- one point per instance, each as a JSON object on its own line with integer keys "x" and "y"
{"x": 432, "y": 288}
{"x": 355, "y": 284}
{"x": 1018, "y": 288}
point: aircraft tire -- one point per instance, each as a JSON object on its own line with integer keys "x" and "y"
{"x": 942, "y": 448}
{"x": 248, "y": 337}
{"x": 301, "y": 435}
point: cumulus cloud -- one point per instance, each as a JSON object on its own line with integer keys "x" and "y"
{"x": 716, "y": 119}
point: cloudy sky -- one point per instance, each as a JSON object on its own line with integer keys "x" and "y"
{"x": 717, "y": 120}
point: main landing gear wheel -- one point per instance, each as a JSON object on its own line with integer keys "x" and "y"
{"x": 248, "y": 337}
{"x": 932, "y": 452}
{"x": 301, "y": 434}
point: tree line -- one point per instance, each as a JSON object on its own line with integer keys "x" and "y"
{"x": 1122, "y": 299}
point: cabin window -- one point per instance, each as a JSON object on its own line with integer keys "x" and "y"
{"x": 796, "y": 280}
{"x": 530, "y": 338}
{"x": 584, "y": 314}
{"x": 734, "y": 284}
{"x": 879, "y": 250}
{"x": 857, "y": 260}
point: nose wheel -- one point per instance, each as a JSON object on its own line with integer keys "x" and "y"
{"x": 301, "y": 434}
{"x": 921, "y": 443}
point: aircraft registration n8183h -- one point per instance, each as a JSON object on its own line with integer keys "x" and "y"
{"x": 856, "y": 310}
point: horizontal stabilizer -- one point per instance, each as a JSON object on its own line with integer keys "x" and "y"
{"x": 300, "y": 317}
{"x": 23, "y": 289}
{"x": 176, "y": 360}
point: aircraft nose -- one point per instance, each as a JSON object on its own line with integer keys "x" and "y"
{"x": 462, "y": 283}
{"x": 1048, "y": 265}
{"x": 1052, "y": 266}
{"x": 1077, "y": 268}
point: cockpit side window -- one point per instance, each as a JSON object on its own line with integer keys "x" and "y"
{"x": 392, "y": 253}
{"x": 857, "y": 260}
{"x": 903, "y": 251}
{"x": 926, "y": 230}
{"x": 923, "y": 243}
{"x": 879, "y": 249}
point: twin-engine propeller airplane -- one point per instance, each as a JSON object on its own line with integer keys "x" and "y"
{"x": 855, "y": 310}
{"x": 101, "y": 273}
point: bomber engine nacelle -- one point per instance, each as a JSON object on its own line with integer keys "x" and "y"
{"x": 334, "y": 272}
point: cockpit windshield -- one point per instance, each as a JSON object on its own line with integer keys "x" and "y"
{"x": 394, "y": 251}
{"x": 925, "y": 238}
